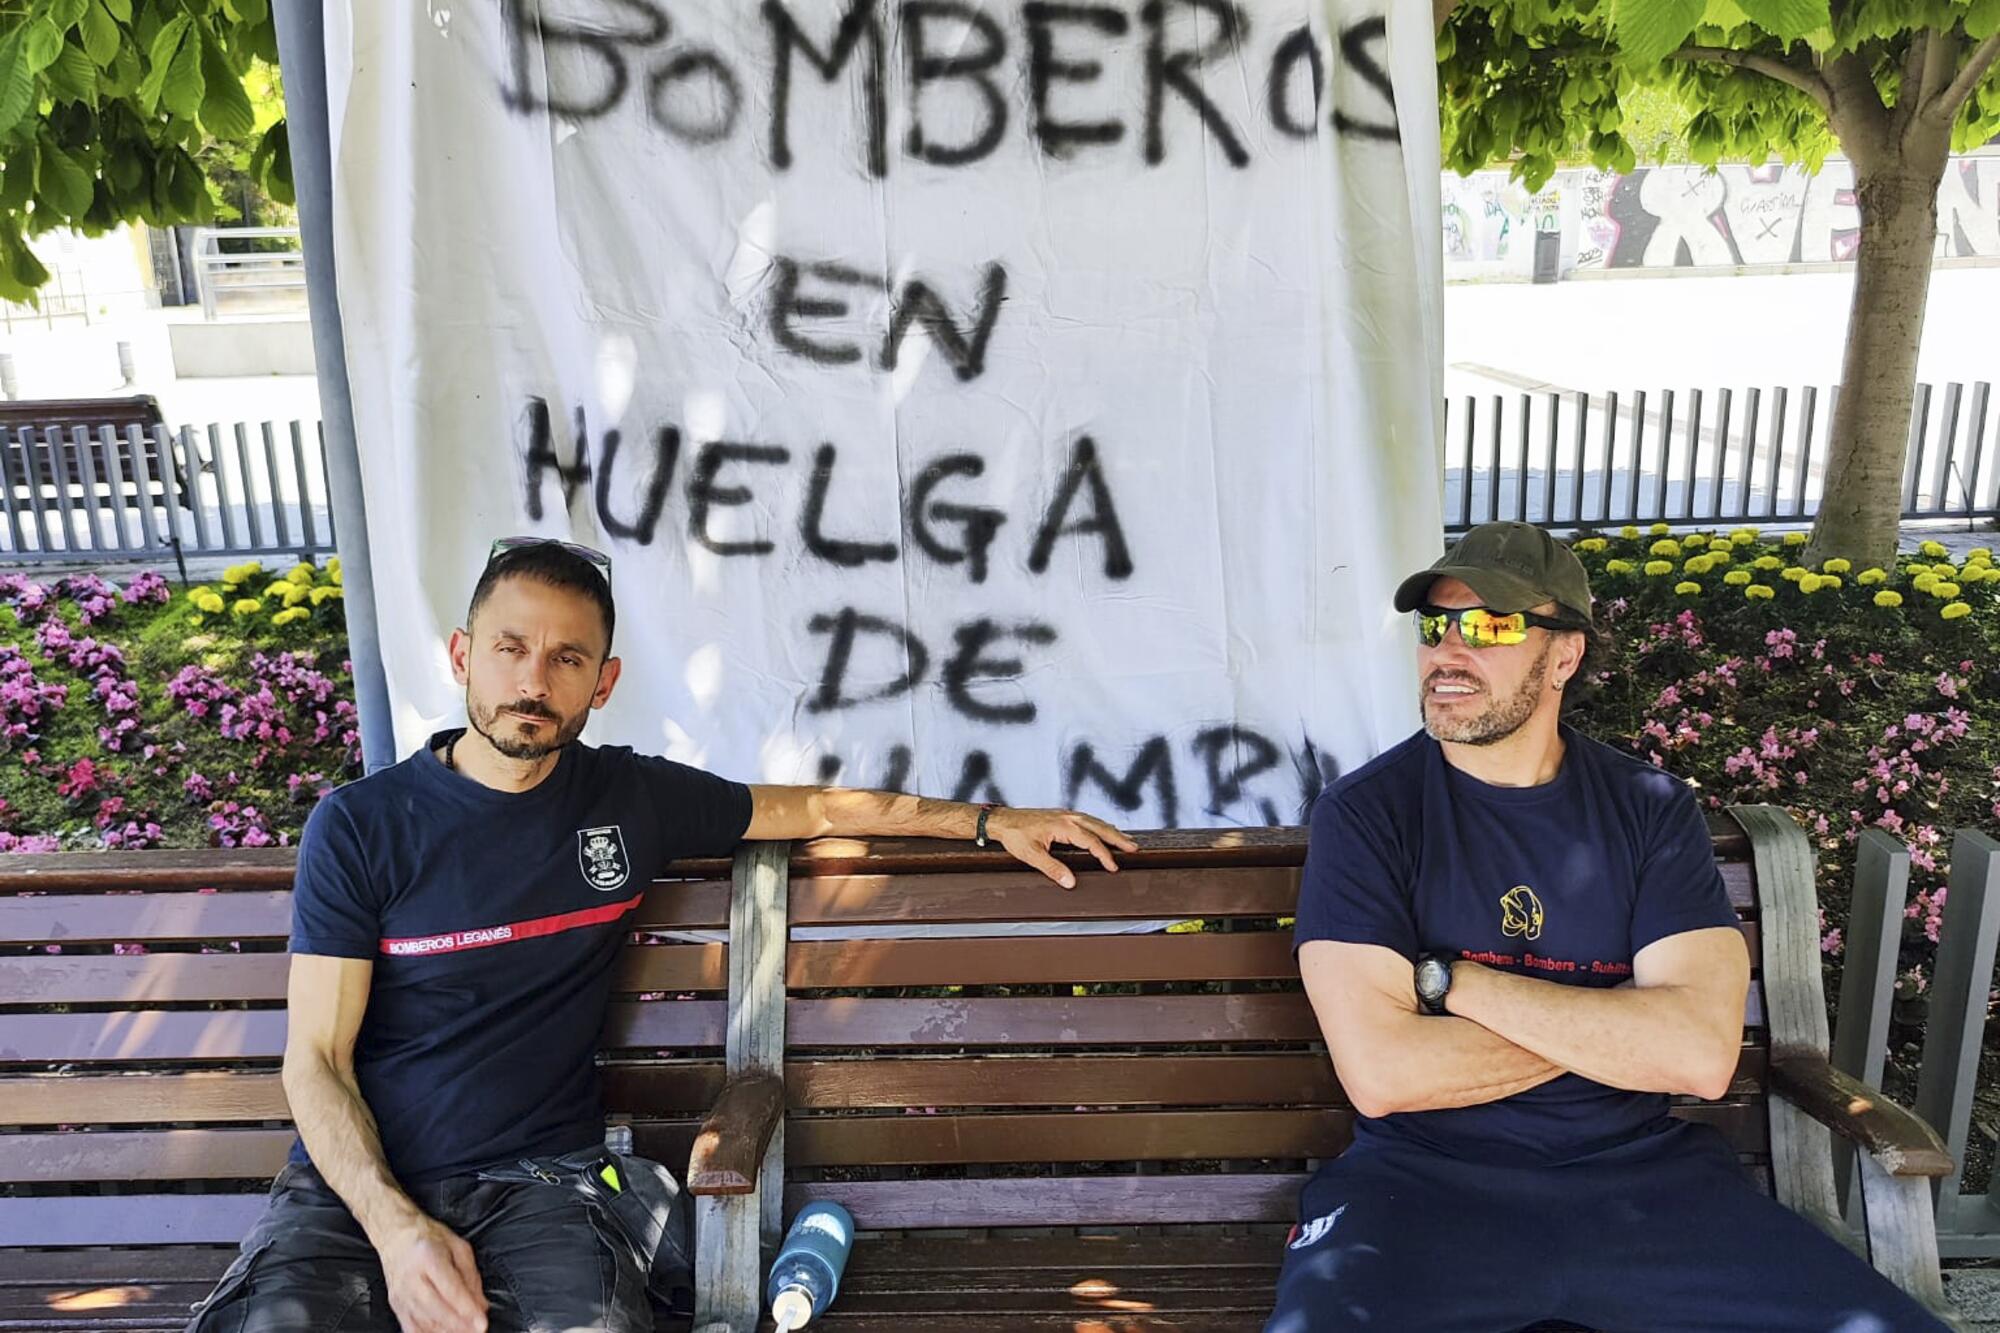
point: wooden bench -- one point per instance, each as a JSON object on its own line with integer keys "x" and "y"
{"x": 1110, "y": 1133}
{"x": 1027, "y": 1156}
{"x": 56, "y": 453}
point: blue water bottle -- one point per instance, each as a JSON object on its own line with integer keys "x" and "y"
{"x": 807, "y": 1272}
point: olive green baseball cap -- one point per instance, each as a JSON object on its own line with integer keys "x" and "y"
{"x": 1512, "y": 566}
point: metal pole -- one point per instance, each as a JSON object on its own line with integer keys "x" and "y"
{"x": 302, "y": 54}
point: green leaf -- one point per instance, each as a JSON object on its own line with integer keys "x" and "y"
{"x": 1723, "y": 14}
{"x": 278, "y": 179}
{"x": 251, "y": 11}
{"x": 100, "y": 34}
{"x": 1982, "y": 19}
{"x": 73, "y": 76}
{"x": 42, "y": 44}
{"x": 65, "y": 183}
{"x": 1651, "y": 30}
{"x": 1789, "y": 20}
{"x": 186, "y": 88}
{"x": 120, "y": 9}
{"x": 17, "y": 183}
{"x": 17, "y": 82}
{"x": 166, "y": 48}
{"x": 226, "y": 112}
{"x": 65, "y": 13}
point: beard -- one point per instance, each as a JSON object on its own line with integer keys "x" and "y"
{"x": 503, "y": 734}
{"x": 1499, "y": 719}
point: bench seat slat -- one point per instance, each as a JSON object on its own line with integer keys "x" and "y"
{"x": 176, "y": 978}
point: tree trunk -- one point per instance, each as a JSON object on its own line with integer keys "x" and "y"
{"x": 1860, "y": 512}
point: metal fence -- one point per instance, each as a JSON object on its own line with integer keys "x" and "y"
{"x": 249, "y": 279}
{"x": 1563, "y": 460}
{"x": 1570, "y": 460}
{"x": 71, "y": 495}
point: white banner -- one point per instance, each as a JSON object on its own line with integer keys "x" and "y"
{"x": 1018, "y": 401}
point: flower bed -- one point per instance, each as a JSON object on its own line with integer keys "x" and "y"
{"x": 1856, "y": 699}
{"x": 132, "y": 718}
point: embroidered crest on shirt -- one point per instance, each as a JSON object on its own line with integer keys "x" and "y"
{"x": 601, "y": 852}
{"x": 1521, "y": 913}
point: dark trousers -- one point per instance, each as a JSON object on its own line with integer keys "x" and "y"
{"x": 557, "y": 1248}
{"x": 1663, "y": 1235}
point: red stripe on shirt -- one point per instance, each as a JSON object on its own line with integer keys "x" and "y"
{"x": 485, "y": 937}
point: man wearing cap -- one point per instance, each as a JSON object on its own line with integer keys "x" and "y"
{"x": 1518, "y": 948}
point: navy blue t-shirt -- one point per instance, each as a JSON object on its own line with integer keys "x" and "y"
{"x": 493, "y": 919}
{"x": 1565, "y": 881}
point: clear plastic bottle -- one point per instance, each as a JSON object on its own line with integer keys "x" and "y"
{"x": 806, "y": 1275}
{"x": 618, "y": 1139}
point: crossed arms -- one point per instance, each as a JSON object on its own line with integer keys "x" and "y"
{"x": 1675, "y": 1028}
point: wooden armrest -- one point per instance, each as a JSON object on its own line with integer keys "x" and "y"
{"x": 1895, "y": 1137}
{"x": 731, "y": 1144}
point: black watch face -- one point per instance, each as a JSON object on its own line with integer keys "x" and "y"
{"x": 1432, "y": 978}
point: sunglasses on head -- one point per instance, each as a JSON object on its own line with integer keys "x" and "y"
{"x": 1482, "y": 626}
{"x": 595, "y": 558}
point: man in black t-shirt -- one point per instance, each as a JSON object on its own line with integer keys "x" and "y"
{"x": 1518, "y": 947}
{"x": 455, "y": 923}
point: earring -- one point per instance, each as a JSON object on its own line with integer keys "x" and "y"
{"x": 1559, "y": 684}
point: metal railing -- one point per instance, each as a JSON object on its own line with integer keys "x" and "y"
{"x": 1572, "y": 460}
{"x": 1562, "y": 460}
{"x": 277, "y": 278}
{"x": 70, "y": 495}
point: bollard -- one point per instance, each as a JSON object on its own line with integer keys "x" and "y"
{"x": 125, "y": 371}
{"x": 10, "y": 388}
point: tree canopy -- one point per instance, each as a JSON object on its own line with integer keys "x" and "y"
{"x": 108, "y": 108}
{"x": 1522, "y": 79}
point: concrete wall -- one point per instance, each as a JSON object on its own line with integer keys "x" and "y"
{"x": 1690, "y": 219}
{"x": 242, "y": 347}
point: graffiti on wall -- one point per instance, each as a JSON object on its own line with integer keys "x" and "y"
{"x": 1689, "y": 217}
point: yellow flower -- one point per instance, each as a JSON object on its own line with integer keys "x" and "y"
{"x": 291, "y": 615}
{"x": 209, "y": 602}
{"x": 1807, "y": 582}
{"x": 1658, "y": 568}
{"x": 1742, "y": 538}
{"x": 301, "y": 574}
{"x": 1720, "y": 554}
{"x": 1618, "y": 566}
{"x": 1184, "y": 928}
{"x": 1666, "y": 546}
{"x": 1760, "y": 592}
{"x": 1837, "y": 566}
{"x": 1980, "y": 553}
{"x": 1944, "y": 591}
{"x": 333, "y": 563}
{"x": 1688, "y": 588}
{"x": 246, "y": 606}
{"x": 1944, "y": 569}
{"x": 1628, "y": 532}
{"x": 1829, "y": 581}
{"x": 1793, "y": 574}
{"x": 196, "y": 594}
{"x": 1956, "y": 611}
{"x": 1767, "y": 562}
{"x": 1795, "y": 539}
{"x": 1924, "y": 582}
{"x": 1935, "y": 550}
{"x": 1592, "y": 545}
{"x": 294, "y": 594}
{"x": 1888, "y": 597}
{"x": 1695, "y": 540}
{"x": 242, "y": 573}
{"x": 1697, "y": 565}
{"x": 334, "y": 573}
{"x": 1736, "y": 578}
{"x": 1659, "y": 529}
{"x": 1869, "y": 577}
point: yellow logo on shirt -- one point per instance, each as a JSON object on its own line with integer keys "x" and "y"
{"x": 1521, "y": 913}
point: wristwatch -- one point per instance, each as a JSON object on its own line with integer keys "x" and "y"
{"x": 1433, "y": 981}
